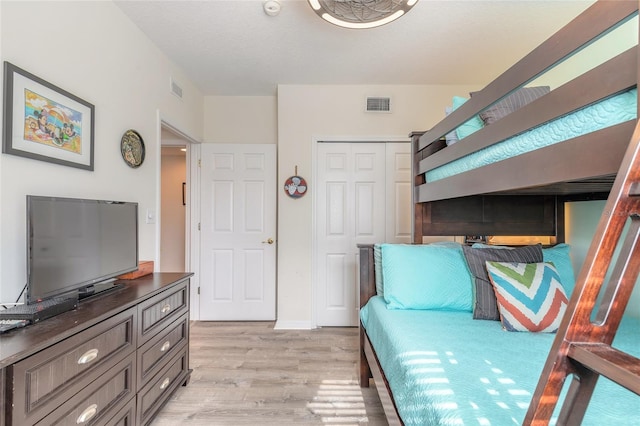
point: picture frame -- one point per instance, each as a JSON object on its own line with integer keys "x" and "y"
{"x": 46, "y": 123}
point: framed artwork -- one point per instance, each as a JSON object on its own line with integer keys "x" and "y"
{"x": 44, "y": 122}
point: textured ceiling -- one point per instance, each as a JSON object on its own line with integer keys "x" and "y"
{"x": 232, "y": 48}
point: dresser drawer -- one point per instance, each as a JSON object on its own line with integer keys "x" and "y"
{"x": 153, "y": 396}
{"x": 126, "y": 416}
{"x": 162, "y": 309}
{"x": 101, "y": 400}
{"x": 160, "y": 348}
{"x": 51, "y": 377}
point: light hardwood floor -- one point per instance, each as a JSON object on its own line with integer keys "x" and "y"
{"x": 247, "y": 373}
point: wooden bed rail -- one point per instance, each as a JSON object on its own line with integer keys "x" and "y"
{"x": 367, "y": 291}
{"x": 369, "y": 365}
{"x": 587, "y": 89}
{"x": 582, "y": 347}
{"x": 523, "y": 214}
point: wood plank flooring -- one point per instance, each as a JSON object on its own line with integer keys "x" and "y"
{"x": 247, "y": 373}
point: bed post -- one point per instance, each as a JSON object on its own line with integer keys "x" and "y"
{"x": 419, "y": 209}
{"x": 367, "y": 290}
{"x": 560, "y": 219}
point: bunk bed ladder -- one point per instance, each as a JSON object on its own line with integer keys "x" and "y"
{"x": 582, "y": 348}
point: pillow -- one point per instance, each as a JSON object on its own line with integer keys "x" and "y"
{"x": 530, "y": 296}
{"x": 474, "y": 124}
{"x": 451, "y": 137}
{"x": 484, "y": 301}
{"x": 559, "y": 256}
{"x": 425, "y": 276}
{"x": 377, "y": 266}
{"x": 512, "y": 102}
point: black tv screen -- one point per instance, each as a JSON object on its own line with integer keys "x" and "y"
{"x": 73, "y": 244}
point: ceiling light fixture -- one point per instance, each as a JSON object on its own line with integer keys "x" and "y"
{"x": 361, "y": 13}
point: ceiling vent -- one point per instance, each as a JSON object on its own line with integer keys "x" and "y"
{"x": 378, "y": 104}
{"x": 176, "y": 89}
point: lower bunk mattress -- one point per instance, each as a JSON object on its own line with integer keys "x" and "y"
{"x": 444, "y": 368}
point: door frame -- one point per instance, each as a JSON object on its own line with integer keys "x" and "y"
{"x": 192, "y": 218}
{"x": 314, "y": 203}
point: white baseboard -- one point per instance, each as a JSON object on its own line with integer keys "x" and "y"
{"x": 293, "y": 325}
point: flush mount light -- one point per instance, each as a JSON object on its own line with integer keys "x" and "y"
{"x": 272, "y": 7}
{"x": 361, "y": 13}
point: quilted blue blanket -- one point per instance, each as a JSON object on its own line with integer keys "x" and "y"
{"x": 445, "y": 368}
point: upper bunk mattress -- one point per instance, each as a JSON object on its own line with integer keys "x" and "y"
{"x": 444, "y": 368}
{"x": 611, "y": 111}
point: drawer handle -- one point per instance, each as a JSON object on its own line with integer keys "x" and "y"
{"x": 87, "y": 414}
{"x": 88, "y": 356}
{"x": 165, "y": 383}
{"x": 166, "y": 345}
{"x": 166, "y": 308}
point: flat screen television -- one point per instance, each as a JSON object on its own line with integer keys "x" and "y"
{"x": 74, "y": 245}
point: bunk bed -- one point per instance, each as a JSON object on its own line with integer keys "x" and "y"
{"x": 528, "y": 190}
{"x": 524, "y": 194}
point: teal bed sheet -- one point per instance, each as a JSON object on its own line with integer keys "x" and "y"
{"x": 611, "y": 111}
{"x": 444, "y": 368}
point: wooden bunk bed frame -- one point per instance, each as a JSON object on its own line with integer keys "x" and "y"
{"x": 514, "y": 197}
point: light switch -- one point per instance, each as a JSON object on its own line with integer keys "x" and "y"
{"x": 151, "y": 216}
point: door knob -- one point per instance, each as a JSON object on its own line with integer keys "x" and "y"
{"x": 269, "y": 241}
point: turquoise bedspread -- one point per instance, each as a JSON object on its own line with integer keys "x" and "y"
{"x": 445, "y": 368}
{"x": 615, "y": 110}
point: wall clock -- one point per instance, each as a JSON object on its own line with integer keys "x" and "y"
{"x": 132, "y": 148}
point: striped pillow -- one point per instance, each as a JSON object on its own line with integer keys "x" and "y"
{"x": 513, "y": 102}
{"x": 530, "y": 295}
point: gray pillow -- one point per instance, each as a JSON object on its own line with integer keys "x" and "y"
{"x": 377, "y": 266}
{"x": 514, "y": 101}
{"x": 485, "y": 305}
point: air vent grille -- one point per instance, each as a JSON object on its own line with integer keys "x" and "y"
{"x": 378, "y": 104}
{"x": 176, "y": 89}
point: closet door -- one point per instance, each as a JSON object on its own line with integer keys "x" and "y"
{"x": 399, "y": 207}
{"x": 353, "y": 193}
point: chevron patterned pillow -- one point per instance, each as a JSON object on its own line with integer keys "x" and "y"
{"x": 530, "y": 295}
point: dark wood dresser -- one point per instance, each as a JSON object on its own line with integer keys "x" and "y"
{"x": 115, "y": 360}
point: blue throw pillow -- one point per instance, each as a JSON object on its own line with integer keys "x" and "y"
{"x": 426, "y": 277}
{"x": 469, "y": 127}
{"x": 559, "y": 256}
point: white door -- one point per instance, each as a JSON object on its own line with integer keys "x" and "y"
{"x": 363, "y": 197}
{"x": 399, "y": 208}
{"x": 238, "y": 232}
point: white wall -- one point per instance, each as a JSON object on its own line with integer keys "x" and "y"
{"x": 308, "y": 113}
{"x": 92, "y": 50}
{"x": 616, "y": 42}
{"x": 581, "y": 222}
{"x": 240, "y": 119}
